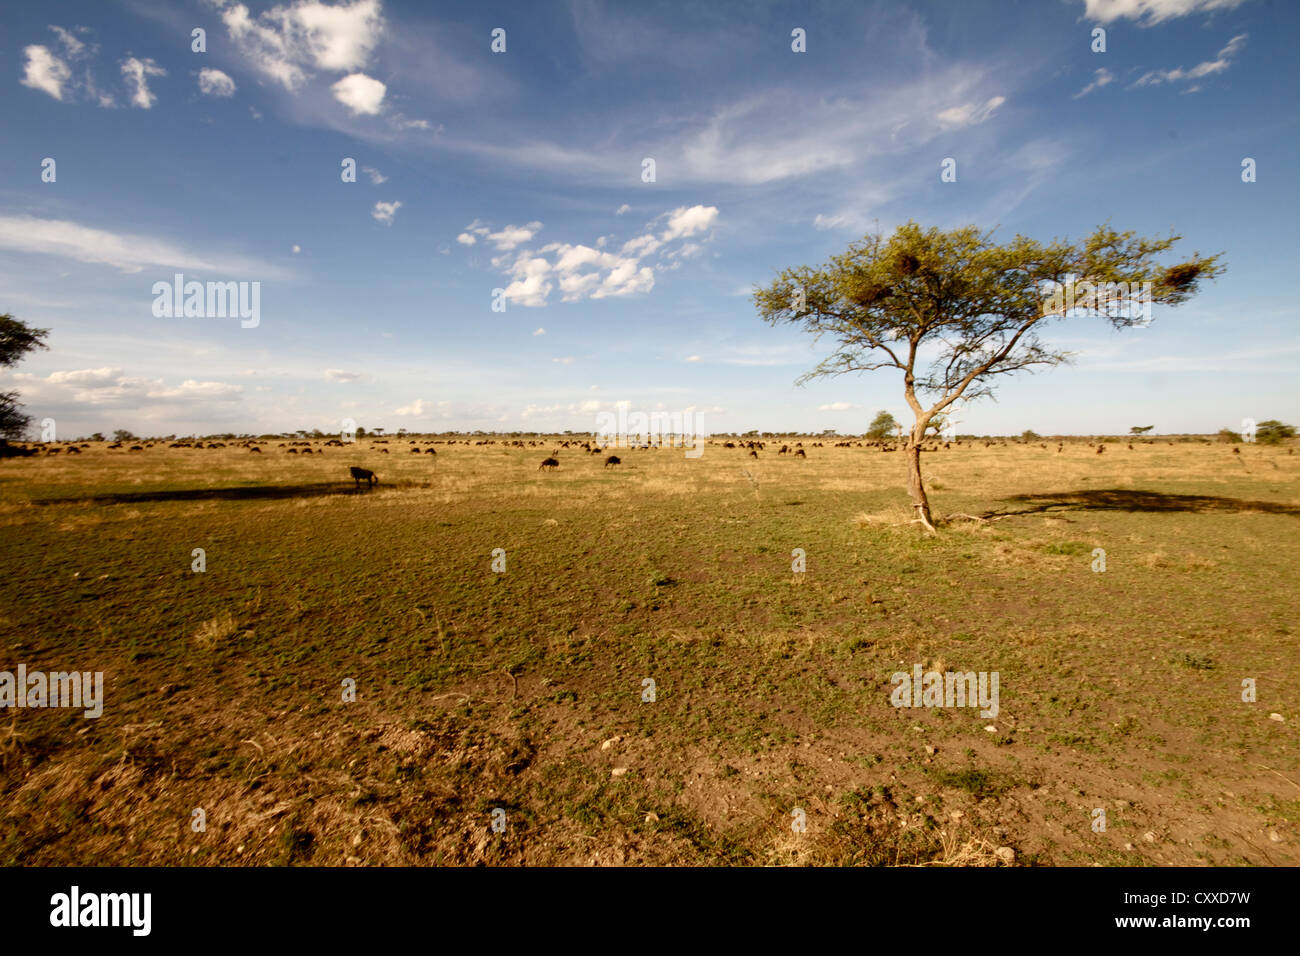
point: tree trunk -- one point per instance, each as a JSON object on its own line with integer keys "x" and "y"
{"x": 915, "y": 485}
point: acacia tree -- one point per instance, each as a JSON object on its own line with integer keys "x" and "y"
{"x": 16, "y": 340}
{"x": 951, "y": 309}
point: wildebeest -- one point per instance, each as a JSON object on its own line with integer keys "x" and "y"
{"x": 613, "y": 460}
{"x": 430, "y": 451}
{"x": 1100, "y": 449}
{"x": 799, "y": 453}
{"x": 753, "y": 454}
{"x": 548, "y": 463}
{"x": 255, "y": 449}
{"x": 135, "y": 448}
{"x": 363, "y": 474}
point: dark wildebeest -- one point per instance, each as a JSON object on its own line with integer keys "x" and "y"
{"x": 548, "y": 463}
{"x": 613, "y": 460}
{"x": 799, "y": 453}
{"x": 753, "y": 454}
{"x": 363, "y": 474}
{"x": 430, "y": 451}
{"x": 255, "y": 449}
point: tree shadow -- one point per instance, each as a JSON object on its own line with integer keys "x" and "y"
{"x": 1126, "y": 499}
{"x": 320, "y": 489}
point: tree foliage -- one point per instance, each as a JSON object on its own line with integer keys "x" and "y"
{"x": 17, "y": 338}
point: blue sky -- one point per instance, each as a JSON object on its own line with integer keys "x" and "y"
{"x": 522, "y": 170}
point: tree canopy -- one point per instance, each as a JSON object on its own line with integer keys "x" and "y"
{"x": 17, "y": 338}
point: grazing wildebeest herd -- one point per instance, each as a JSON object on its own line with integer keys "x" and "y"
{"x": 551, "y": 462}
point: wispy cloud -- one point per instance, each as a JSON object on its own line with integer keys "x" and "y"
{"x": 125, "y": 251}
{"x": 1150, "y": 12}
{"x": 1209, "y": 67}
{"x": 1100, "y": 78}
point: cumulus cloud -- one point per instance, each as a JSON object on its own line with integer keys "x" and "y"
{"x": 837, "y": 407}
{"x": 1207, "y": 68}
{"x": 385, "y": 211}
{"x": 287, "y": 41}
{"x": 45, "y": 71}
{"x": 339, "y": 375}
{"x": 539, "y": 332}
{"x": 580, "y": 271}
{"x": 215, "y": 83}
{"x": 622, "y": 209}
{"x": 376, "y": 177}
{"x": 512, "y": 236}
{"x": 362, "y": 94}
{"x": 136, "y": 73}
{"x": 689, "y": 220}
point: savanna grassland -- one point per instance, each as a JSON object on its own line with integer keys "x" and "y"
{"x": 522, "y": 690}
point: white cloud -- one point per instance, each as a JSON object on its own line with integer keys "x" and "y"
{"x": 376, "y": 177}
{"x": 1100, "y": 78}
{"x": 828, "y": 222}
{"x": 512, "y": 236}
{"x": 362, "y": 94}
{"x": 71, "y": 45}
{"x": 130, "y": 253}
{"x": 539, "y": 332}
{"x": 532, "y": 283}
{"x": 581, "y": 271}
{"x": 567, "y": 360}
{"x": 687, "y": 221}
{"x": 288, "y": 40}
{"x": 416, "y": 408}
{"x": 465, "y": 239}
{"x": 215, "y": 83}
{"x": 837, "y": 407}
{"x": 339, "y": 375}
{"x": 1150, "y": 12}
{"x": 110, "y": 387}
{"x": 1217, "y": 65}
{"x": 622, "y": 209}
{"x": 970, "y": 114}
{"x": 297, "y": 249}
{"x": 136, "y": 72}
{"x": 692, "y": 358}
{"x": 45, "y": 71}
{"x": 385, "y": 211}
{"x": 641, "y": 246}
